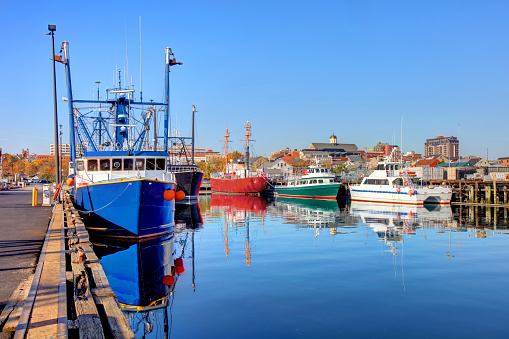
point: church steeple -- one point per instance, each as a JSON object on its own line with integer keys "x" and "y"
{"x": 333, "y": 140}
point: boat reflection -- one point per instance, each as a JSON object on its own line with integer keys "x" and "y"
{"x": 393, "y": 221}
{"x": 188, "y": 216}
{"x": 405, "y": 217}
{"x": 142, "y": 275}
{"x": 239, "y": 203}
{"x": 237, "y": 211}
{"x": 314, "y": 213}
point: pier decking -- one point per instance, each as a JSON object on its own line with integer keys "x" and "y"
{"x": 69, "y": 294}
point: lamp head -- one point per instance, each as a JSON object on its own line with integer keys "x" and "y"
{"x": 52, "y": 28}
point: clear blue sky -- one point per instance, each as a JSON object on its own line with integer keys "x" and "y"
{"x": 298, "y": 70}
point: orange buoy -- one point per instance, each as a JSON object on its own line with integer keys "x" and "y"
{"x": 179, "y": 269}
{"x": 169, "y": 195}
{"x": 405, "y": 183}
{"x": 179, "y": 262}
{"x": 69, "y": 182}
{"x": 362, "y": 176}
{"x": 57, "y": 191}
{"x": 179, "y": 195}
{"x": 411, "y": 192}
{"x": 398, "y": 189}
{"x": 168, "y": 280}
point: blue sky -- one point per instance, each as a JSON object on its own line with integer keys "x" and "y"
{"x": 298, "y": 70}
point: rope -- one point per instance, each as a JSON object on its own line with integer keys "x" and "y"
{"x": 111, "y": 202}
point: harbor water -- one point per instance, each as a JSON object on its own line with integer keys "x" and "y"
{"x": 296, "y": 268}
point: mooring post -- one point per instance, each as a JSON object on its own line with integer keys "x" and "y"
{"x": 471, "y": 212}
{"x": 495, "y": 198}
{"x": 505, "y": 194}
{"x": 471, "y": 194}
{"x": 476, "y": 190}
{"x": 488, "y": 194}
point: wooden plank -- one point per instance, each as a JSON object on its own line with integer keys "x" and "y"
{"x": 12, "y": 311}
{"x": 27, "y": 307}
{"x": 45, "y": 320}
{"x": 89, "y": 321}
{"x": 118, "y": 325}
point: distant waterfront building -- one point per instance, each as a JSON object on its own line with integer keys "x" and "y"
{"x": 331, "y": 150}
{"x": 449, "y": 147}
{"x": 503, "y": 161}
{"x": 65, "y": 149}
{"x": 382, "y": 150}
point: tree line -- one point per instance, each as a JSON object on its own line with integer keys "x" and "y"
{"x": 15, "y": 168}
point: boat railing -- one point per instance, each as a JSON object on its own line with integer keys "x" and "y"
{"x": 113, "y": 176}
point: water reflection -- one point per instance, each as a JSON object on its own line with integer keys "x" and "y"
{"x": 144, "y": 274}
{"x": 136, "y": 273}
{"x": 254, "y": 256}
{"x": 237, "y": 212}
{"x": 314, "y": 213}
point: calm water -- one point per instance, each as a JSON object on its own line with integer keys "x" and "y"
{"x": 294, "y": 268}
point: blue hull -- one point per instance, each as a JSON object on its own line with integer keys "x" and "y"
{"x": 126, "y": 209}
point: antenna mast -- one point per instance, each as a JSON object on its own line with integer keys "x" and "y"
{"x": 226, "y": 135}
{"x": 247, "y": 126}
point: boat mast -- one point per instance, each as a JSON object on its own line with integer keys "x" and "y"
{"x": 226, "y": 135}
{"x": 192, "y": 141}
{"x": 170, "y": 61}
{"x": 248, "y": 138}
{"x": 66, "y": 62}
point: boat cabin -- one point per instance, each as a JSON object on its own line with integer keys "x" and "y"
{"x": 102, "y": 166}
{"x": 388, "y": 167}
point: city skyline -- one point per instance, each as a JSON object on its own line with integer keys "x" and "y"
{"x": 298, "y": 72}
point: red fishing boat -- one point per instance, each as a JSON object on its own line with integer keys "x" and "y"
{"x": 232, "y": 184}
{"x": 247, "y": 182}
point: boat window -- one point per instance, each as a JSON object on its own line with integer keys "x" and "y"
{"x": 80, "y": 166}
{"x": 151, "y": 164}
{"x": 105, "y": 164}
{"x": 92, "y": 165}
{"x": 313, "y": 181}
{"x": 320, "y": 181}
{"x": 140, "y": 164}
{"x": 128, "y": 164}
{"x": 398, "y": 182}
{"x": 117, "y": 164}
{"x": 376, "y": 182}
{"x": 160, "y": 163}
{"x": 380, "y": 167}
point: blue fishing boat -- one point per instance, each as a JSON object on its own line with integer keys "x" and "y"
{"x": 121, "y": 183}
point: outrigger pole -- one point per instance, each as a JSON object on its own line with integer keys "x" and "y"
{"x": 170, "y": 61}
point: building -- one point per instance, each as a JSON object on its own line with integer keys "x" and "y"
{"x": 503, "y": 161}
{"x": 65, "y": 149}
{"x": 449, "y": 147}
{"x": 383, "y": 149}
{"x": 331, "y": 150}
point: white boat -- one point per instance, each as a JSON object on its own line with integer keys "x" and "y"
{"x": 390, "y": 182}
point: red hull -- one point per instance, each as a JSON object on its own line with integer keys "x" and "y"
{"x": 240, "y": 185}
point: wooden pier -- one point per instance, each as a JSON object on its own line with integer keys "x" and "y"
{"x": 479, "y": 192}
{"x": 69, "y": 294}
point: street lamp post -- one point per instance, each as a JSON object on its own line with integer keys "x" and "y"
{"x": 61, "y": 162}
{"x": 52, "y": 29}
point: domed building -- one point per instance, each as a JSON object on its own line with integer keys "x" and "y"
{"x": 333, "y": 140}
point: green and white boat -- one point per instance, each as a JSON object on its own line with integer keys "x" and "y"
{"x": 317, "y": 182}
